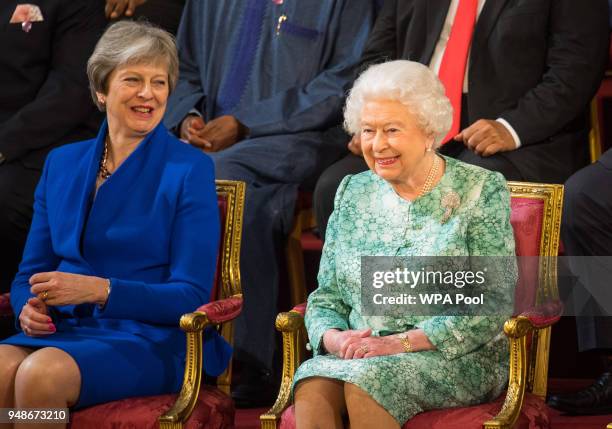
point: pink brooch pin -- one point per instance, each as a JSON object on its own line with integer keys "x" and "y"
{"x": 26, "y": 14}
{"x": 277, "y": 1}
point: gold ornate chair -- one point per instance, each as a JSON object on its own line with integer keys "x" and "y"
{"x": 197, "y": 405}
{"x": 536, "y": 218}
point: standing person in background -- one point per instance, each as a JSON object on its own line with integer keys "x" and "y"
{"x": 520, "y": 75}
{"x": 259, "y": 82}
{"x": 44, "y": 103}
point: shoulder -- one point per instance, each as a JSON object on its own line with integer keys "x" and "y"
{"x": 355, "y": 186}
{"x": 70, "y": 154}
{"x": 183, "y": 163}
{"x": 473, "y": 181}
{"x": 179, "y": 155}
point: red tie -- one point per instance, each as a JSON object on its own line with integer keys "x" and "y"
{"x": 452, "y": 68}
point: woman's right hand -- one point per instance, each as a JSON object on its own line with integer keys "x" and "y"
{"x": 337, "y": 342}
{"x": 34, "y": 319}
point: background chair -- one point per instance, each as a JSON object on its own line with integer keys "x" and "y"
{"x": 197, "y": 405}
{"x": 535, "y": 218}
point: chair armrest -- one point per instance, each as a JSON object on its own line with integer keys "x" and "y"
{"x": 300, "y": 309}
{"x": 545, "y": 315}
{"x": 517, "y": 330}
{"x": 213, "y": 313}
{"x": 291, "y": 325}
{"x": 223, "y": 310}
{"x": 5, "y": 305}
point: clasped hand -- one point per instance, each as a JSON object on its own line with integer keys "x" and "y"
{"x": 357, "y": 344}
{"x": 214, "y": 136}
{"x": 58, "y": 288}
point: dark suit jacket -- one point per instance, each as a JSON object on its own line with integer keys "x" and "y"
{"x": 535, "y": 63}
{"x": 44, "y": 95}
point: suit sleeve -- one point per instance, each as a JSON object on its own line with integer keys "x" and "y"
{"x": 489, "y": 234}
{"x": 193, "y": 254}
{"x": 318, "y": 104}
{"x": 326, "y": 309}
{"x": 382, "y": 43}
{"x": 575, "y": 63}
{"x": 63, "y": 102}
{"x": 189, "y": 92}
{"x": 38, "y": 255}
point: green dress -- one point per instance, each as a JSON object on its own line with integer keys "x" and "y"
{"x": 470, "y": 365}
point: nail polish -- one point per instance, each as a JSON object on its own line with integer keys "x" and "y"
{"x": 52, "y": 327}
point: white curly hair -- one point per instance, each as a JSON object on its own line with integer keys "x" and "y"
{"x": 409, "y": 83}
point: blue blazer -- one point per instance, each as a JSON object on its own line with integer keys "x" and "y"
{"x": 152, "y": 228}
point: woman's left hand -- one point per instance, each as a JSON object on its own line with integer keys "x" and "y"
{"x": 59, "y": 288}
{"x": 372, "y": 347}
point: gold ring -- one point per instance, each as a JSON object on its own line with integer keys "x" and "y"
{"x": 44, "y": 295}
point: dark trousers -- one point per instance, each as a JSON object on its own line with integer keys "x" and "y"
{"x": 586, "y": 230}
{"x": 17, "y": 184}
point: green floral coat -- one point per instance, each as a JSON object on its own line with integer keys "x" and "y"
{"x": 470, "y": 364}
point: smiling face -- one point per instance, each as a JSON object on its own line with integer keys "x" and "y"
{"x": 393, "y": 143}
{"x": 136, "y": 99}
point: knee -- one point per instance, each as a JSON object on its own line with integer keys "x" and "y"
{"x": 10, "y": 364}
{"x": 575, "y": 201}
{"x": 44, "y": 371}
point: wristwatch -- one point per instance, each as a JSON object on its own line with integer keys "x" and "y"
{"x": 2, "y": 158}
{"x": 405, "y": 342}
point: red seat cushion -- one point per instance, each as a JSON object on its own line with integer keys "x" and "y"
{"x": 213, "y": 410}
{"x": 534, "y": 415}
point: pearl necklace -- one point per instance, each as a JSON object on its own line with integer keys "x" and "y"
{"x": 103, "y": 172}
{"x": 433, "y": 172}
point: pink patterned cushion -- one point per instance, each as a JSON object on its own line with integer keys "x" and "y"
{"x": 214, "y": 410}
{"x": 526, "y": 218}
{"x": 534, "y": 415}
{"x": 5, "y": 305}
{"x": 223, "y": 310}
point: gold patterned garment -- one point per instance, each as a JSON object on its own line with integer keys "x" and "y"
{"x": 467, "y": 213}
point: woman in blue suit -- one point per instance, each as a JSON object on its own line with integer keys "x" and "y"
{"x": 123, "y": 242}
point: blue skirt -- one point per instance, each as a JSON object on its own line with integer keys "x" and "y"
{"x": 115, "y": 362}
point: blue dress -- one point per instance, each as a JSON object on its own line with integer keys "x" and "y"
{"x": 153, "y": 229}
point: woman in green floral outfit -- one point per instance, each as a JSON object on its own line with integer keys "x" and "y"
{"x": 382, "y": 370}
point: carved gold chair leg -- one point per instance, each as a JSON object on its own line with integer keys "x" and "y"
{"x": 517, "y": 330}
{"x": 193, "y": 324}
{"x": 291, "y": 325}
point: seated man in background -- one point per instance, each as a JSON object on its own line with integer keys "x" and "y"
{"x": 44, "y": 103}
{"x": 520, "y": 75}
{"x": 259, "y": 82}
{"x": 586, "y": 231}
